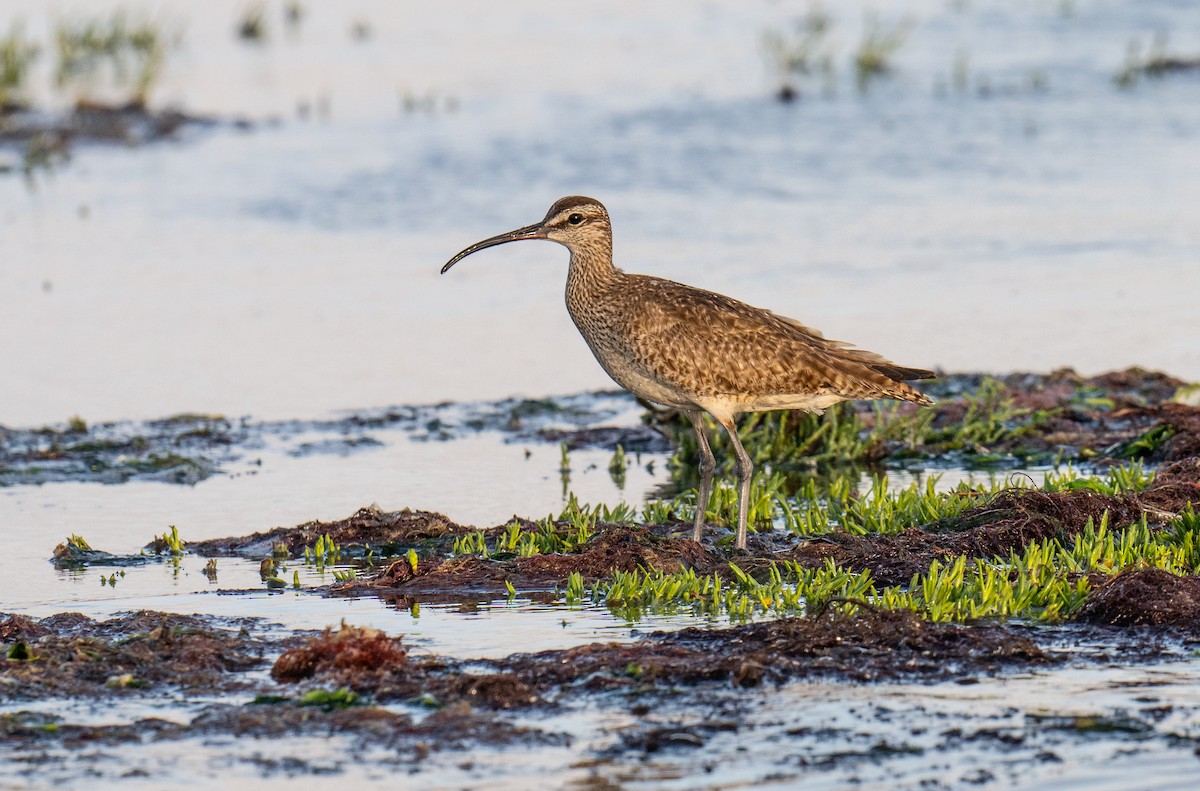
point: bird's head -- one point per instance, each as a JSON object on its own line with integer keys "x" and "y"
{"x": 574, "y": 222}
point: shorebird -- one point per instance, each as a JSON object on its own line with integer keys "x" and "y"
{"x": 699, "y": 351}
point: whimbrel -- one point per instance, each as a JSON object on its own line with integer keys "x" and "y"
{"x": 699, "y": 351}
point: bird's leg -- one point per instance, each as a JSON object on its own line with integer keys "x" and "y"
{"x": 745, "y": 473}
{"x": 706, "y": 465}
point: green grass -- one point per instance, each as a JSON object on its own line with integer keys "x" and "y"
{"x": 168, "y": 543}
{"x": 17, "y": 55}
{"x": 324, "y": 552}
{"x": 329, "y": 699}
{"x": 1045, "y": 582}
{"x": 786, "y": 439}
{"x": 808, "y": 506}
{"x": 19, "y": 651}
{"x": 125, "y": 54}
{"x": 991, "y": 417}
{"x": 816, "y": 505}
{"x": 617, "y": 467}
{"x": 878, "y": 46}
{"x": 575, "y": 588}
{"x": 803, "y": 51}
{"x": 788, "y": 589}
{"x": 821, "y": 509}
{"x": 567, "y": 532}
{"x": 1148, "y": 443}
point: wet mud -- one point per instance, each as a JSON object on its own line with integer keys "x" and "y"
{"x": 181, "y": 449}
{"x": 163, "y": 657}
{"x": 1063, "y": 416}
{"x": 188, "y": 448}
{"x": 614, "y": 547}
{"x": 92, "y": 122}
{"x": 370, "y": 691}
{"x": 45, "y": 140}
{"x": 366, "y": 726}
{"x": 870, "y": 645}
{"x": 369, "y": 528}
{"x": 313, "y": 678}
{"x": 70, "y": 655}
{"x": 373, "y": 689}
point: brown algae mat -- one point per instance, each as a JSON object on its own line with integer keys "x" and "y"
{"x": 333, "y": 682}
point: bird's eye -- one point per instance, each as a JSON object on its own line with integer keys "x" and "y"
{"x": 575, "y": 219}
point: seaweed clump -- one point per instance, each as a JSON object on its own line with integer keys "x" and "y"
{"x": 351, "y": 650}
{"x": 1145, "y": 597}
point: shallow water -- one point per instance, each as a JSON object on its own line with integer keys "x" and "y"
{"x": 293, "y": 269}
{"x": 1039, "y": 217}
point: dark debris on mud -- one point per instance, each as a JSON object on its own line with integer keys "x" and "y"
{"x": 335, "y": 682}
{"x": 1010, "y": 521}
{"x": 164, "y": 657}
{"x": 92, "y": 122}
{"x": 368, "y": 528}
{"x": 1145, "y": 597}
{"x": 183, "y": 449}
{"x": 1065, "y": 416}
{"x": 188, "y": 448}
{"x": 871, "y": 645}
{"x": 1124, "y": 414}
{"x": 71, "y": 656}
{"x": 369, "y": 662}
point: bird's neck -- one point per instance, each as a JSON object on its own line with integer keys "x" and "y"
{"x": 591, "y": 273}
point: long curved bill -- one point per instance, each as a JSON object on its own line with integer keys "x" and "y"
{"x": 534, "y": 231}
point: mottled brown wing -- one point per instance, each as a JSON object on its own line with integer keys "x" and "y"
{"x": 878, "y": 362}
{"x": 714, "y": 346}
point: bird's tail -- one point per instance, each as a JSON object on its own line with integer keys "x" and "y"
{"x": 886, "y": 380}
{"x": 903, "y": 392}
